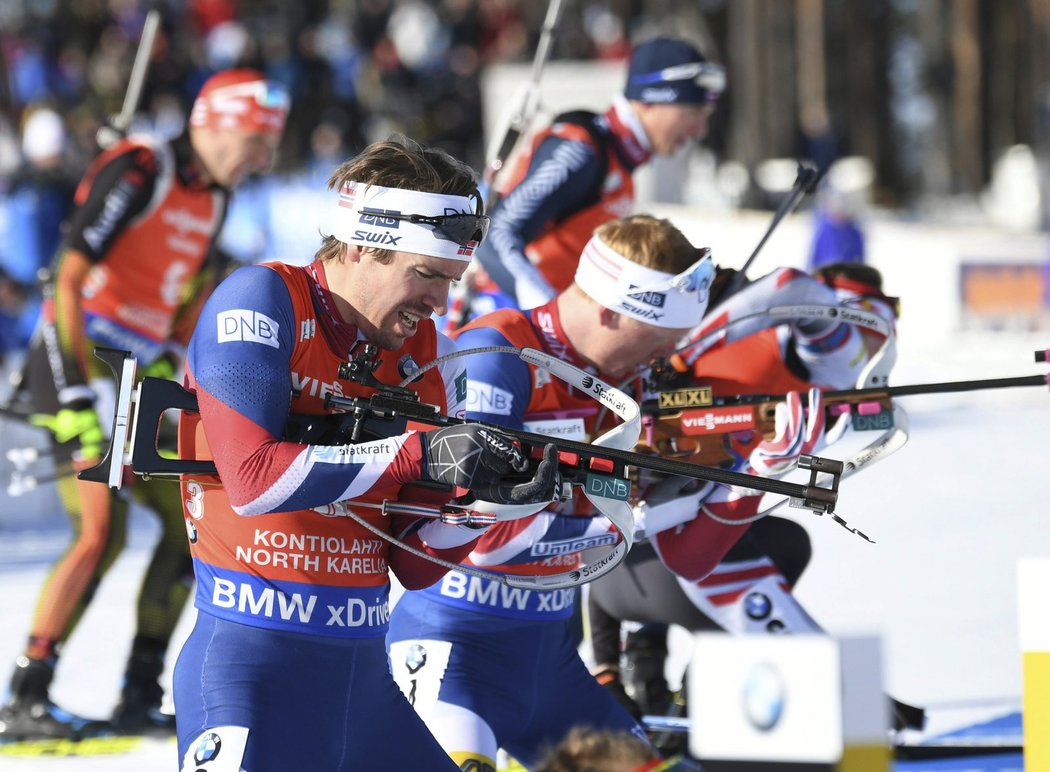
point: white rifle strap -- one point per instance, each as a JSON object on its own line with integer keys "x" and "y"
{"x": 780, "y": 314}
{"x": 866, "y": 319}
{"x": 874, "y": 375}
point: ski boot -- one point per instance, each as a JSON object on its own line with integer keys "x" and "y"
{"x": 644, "y": 653}
{"x": 28, "y": 714}
{"x": 138, "y": 711}
{"x": 644, "y": 657}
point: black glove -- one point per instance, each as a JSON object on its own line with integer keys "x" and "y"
{"x": 612, "y": 683}
{"x": 542, "y": 488}
{"x": 477, "y": 458}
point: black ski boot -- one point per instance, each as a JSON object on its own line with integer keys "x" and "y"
{"x": 30, "y": 715}
{"x": 138, "y": 711}
{"x": 644, "y": 654}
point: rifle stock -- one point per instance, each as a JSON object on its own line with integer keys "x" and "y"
{"x": 690, "y": 424}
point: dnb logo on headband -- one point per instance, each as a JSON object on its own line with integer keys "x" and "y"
{"x": 654, "y": 299}
{"x": 375, "y": 217}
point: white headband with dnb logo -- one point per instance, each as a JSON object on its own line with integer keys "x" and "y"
{"x": 655, "y": 297}
{"x": 371, "y": 216}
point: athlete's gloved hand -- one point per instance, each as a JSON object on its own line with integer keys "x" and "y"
{"x": 78, "y": 422}
{"x": 796, "y": 434}
{"x": 612, "y": 683}
{"x": 477, "y": 458}
{"x": 542, "y": 488}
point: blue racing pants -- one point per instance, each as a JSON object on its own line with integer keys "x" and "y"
{"x": 257, "y": 699}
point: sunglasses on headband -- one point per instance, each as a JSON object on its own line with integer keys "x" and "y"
{"x": 708, "y": 76}
{"x": 461, "y": 228}
{"x": 696, "y": 278}
{"x": 268, "y": 94}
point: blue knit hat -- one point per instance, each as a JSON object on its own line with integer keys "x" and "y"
{"x": 672, "y": 71}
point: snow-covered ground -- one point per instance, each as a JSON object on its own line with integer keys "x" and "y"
{"x": 951, "y": 513}
{"x": 88, "y": 677}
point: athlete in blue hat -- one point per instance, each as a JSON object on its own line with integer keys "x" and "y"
{"x": 576, "y": 174}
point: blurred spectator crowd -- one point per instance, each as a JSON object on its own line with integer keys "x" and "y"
{"x": 364, "y": 66}
{"x": 357, "y": 69}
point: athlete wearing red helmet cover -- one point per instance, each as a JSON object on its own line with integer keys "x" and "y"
{"x": 236, "y": 124}
{"x": 241, "y": 100}
{"x": 135, "y": 267}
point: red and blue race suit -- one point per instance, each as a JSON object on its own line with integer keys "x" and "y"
{"x": 488, "y": 665}
{"x": 287, "y": 653}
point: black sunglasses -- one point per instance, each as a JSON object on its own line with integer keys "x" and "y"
{"x": 461, "y": 228}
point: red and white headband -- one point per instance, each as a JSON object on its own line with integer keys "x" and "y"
{"x": 655, "y": 297}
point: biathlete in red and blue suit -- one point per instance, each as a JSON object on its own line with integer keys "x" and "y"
{"x": 286, "y": 666}
{"x": 492, "y": 666}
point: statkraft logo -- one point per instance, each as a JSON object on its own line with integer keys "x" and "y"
{"x": 718, "y": 420}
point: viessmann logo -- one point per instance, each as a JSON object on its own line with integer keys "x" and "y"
{"x": 718, "y": 419}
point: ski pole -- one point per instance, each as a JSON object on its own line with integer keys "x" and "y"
{"x": 806, "y": 180}
{"x": 117, "y": 126}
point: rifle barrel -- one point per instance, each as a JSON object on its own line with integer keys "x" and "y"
{"x": 944, "y": 387}
{"x": 139, "y": 68}
{"x": 419, "y": 412}
{"x": 888, "y": 392}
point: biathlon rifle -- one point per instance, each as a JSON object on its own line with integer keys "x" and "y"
{"x": 391, "y": 410}
{"x": 691, "y": 424}
{"x": 528, "y": 104}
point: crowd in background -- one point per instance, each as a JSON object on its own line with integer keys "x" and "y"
{"x": 364, "y": 67}
{"x": 358, "y": 70}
